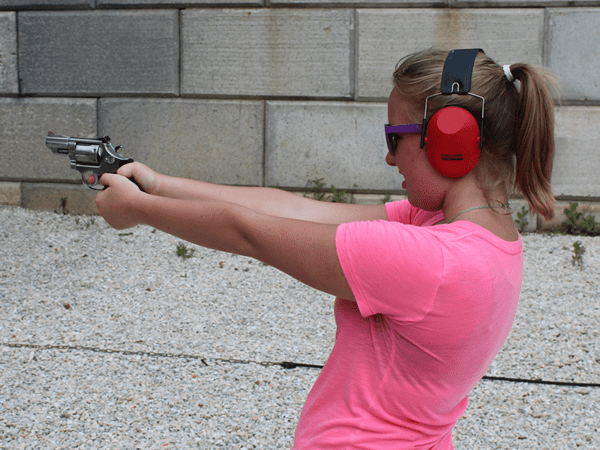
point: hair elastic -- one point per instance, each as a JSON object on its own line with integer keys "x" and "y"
{"x": 508, "y": 73}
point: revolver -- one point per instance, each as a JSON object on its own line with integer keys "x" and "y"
{"x": 91, "y": 157}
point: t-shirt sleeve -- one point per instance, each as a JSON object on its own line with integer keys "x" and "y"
{"x": 402, "y": 211}
{"x": 392, "y": 268}
{"x": 399, "y": 211}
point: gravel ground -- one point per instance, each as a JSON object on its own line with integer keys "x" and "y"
{"x": 109, "y": 340}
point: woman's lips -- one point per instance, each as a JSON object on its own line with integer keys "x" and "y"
{"x": 404, "y": 185}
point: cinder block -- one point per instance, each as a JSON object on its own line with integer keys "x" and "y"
{"x": 46, "y": 4}
{"x": 61, "y": 198}
{"x": 573, "y": 36}
{"x": 267, "y": 52}
{"x": 99, "y": 52}
{"x": 360, "y": 199}
{"x": 24, "y": 124}
{"x": 219, "y": 141}
{"x": 517, "y": 3}
{"x": 376, "y": 199}
{"x": 10, "y": 193}
{"x": 576, "y": 164}
{"x": 177, "y": 3}
{"x": 387, "y": 35}
{"x": 342, "y": 143}
{"x": 9, "y": 83}
{"x": 364, "y": 3}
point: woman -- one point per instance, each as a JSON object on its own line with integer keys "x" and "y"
{"x": 426, "y": 289}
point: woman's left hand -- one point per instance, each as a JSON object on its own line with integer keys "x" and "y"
{"x": 117, "y": 203}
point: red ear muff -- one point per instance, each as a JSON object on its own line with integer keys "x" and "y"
{"x": 452, "y": 141}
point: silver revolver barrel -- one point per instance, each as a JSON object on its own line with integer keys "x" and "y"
{"x": 88, "y": 156}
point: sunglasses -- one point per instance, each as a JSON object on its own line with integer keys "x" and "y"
{"x": 393, "y": 132}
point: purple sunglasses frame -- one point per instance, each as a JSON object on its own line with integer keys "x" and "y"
{"x": 392, "y": 130}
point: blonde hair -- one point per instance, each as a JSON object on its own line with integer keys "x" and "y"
{"x": 518, "y": 150}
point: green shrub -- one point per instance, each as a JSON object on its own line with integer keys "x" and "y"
{"x": 578, "y": 223}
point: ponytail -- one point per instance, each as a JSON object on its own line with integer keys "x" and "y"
{"x": 533, "y": 141}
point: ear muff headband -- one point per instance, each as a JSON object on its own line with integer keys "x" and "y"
{"x": 458, "y": 70}
{"x": 453, "y": 136}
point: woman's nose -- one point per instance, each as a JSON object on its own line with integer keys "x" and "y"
{"x": 389, "y": 160}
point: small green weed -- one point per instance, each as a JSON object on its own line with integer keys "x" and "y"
{"x": 184, "y": 252}
{"x": 337, "y": 195}
{"x": 386, "y": 198}
{"x": 579, "y": 223}
{"x": 62, "y": 207}
{"x": 86, "y": 223}
{"x": 522, "y": 221}
{"x": 315, "y": 189}
{"x": 578, "y": 251}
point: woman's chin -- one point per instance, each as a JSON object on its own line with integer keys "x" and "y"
{"x": 426, "y": 205}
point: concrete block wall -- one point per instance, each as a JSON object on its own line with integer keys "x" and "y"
{"x": 258, "y": 92}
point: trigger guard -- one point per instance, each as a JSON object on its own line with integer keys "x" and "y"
{"x": 90, "y": 186}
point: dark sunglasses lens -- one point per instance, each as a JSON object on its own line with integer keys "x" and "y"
{"x": 392, "y": 141}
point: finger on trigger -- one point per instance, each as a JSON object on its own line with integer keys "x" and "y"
{"x": 103, "y": 180}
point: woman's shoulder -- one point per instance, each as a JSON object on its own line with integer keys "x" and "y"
{"x": 474, "y": 238}
{"x": 500, "y": 225}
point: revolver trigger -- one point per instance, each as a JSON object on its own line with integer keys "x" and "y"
{"x": 85, "y": 179}
{"x": 118, "y": 147}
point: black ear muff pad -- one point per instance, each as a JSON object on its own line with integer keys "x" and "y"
{"x": 452, "y": 141}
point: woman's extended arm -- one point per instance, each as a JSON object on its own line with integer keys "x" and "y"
{"x": 273, "y": 202}
{"x": 304, "y": 250}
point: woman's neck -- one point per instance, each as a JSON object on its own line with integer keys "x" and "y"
{"x": 466, "y": 195}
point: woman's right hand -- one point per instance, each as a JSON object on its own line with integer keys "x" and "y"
{"x": 144, "y": 176}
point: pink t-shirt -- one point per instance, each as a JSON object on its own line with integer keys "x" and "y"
{"x": 434, "y": 306}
